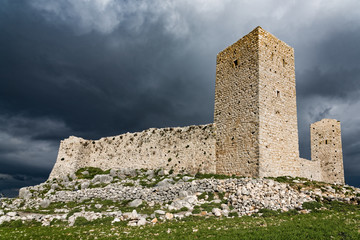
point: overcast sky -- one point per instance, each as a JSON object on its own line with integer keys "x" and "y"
{"x": 95, "y": 68}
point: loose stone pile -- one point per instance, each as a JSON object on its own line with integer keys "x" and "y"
{"x": 142, "y": 197}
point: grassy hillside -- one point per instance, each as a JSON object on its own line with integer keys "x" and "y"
{"x": 329, "y": 220}
{"x": 102, "y": 205}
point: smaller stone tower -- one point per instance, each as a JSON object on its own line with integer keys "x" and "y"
{"x": 326, "y": 148}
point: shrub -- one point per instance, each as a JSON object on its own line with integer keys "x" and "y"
{"x": 92, "y": 172}
{"x": 202, "y": 196}
{"x": 291, "y": 212}
{"x": 183, "y": 209}
{"x": 13, "y": 224}
{"x": 81, "y": 221}
{"x": 341, "y": 207}
{"x": 282, "y": 179}
{"x": 209, "y": 206}
{"x": 313, "y": 206}
{"x": 196, "y": 210}
{"x": 209, "y": 175}
{"x": 233, "y": 214}
{"x": 129, "y": 184}
{"x": 221, "y": 195}
{"x": 72, "y": 212}
{"x": 210, "y": 196}
{"x": 268, "y": 213}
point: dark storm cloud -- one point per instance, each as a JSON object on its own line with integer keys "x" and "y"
{"x": 91, "y": 85}
{"x": 335, "y": 70}
{"x": 333, "y": 83}
{"x": 103, "y": 67}
{"x": 56, "y": 83}
{"x": 329, "y": 87}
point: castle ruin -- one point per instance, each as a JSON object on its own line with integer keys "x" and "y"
{"x": 255, "y": 132}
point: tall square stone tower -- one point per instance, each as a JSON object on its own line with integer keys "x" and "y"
{"x": 255, "y": 108}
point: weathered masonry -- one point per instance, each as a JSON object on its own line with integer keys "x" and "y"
{"x": 256, "y": 119}
{"x": 255, "y": 108}
{"x": 188, "y": 149}
{"x": 327, "y": 150}
{"x": 254, "y": 134}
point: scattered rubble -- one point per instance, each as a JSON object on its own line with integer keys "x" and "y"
{"x": 149, "y": 197}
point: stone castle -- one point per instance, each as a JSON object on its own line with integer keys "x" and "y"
{"x": 254, "y": 133}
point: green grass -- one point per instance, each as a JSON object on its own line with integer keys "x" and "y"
{"x": 338, "y": 221}
{"x": 128, "y": 184}
{"x": 197, "y": 209}
{"x": 75, "y": 210}
{"x": 313, "y": 206}
{"x": 233, "y": 214}
{"x": 92, "y": 172}
{"x": 202, "y": 196}
{"x": 221, "y": 195}
{"x": 89, "y": 205}
{"x": 309, "y": 184}
{"x": 269, "y": 213}
{"x": 149, "y": 184}
{"x": 210, "y": 196}
{"x": 81, "y": 221}
{"x": 209, "y": 206}
{"x": 329, "y": 224}
{"x": 215, "y": 176}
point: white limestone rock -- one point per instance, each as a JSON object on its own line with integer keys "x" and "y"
{"x": 132, "y": 223}
{"x": 135, "y": 203}
{"x": 45, "y": 203}
{"x": 141, "y": 222}
{"x": 224, "y": 206}
{"x": 25, "y": 193}
{"x": 187, "y": 178}
{"x": 187, "y": 214}
{"x": 113, "y": 172}
{"x": 130, "y": 215}
{"x": 169, "y": 216}
{"x": 183, "y": 194}
{"x": 11, "y": 214}
{"x": 116, "y": 220}
{"x": 166, "y": 182}
{"x": 191, "y": 199}
{"x": 85, "y": 185}
{"x": 216, "y": 212}
{"x": 4, "y": 219}
{"x": 98, "y": 206}
{"x": 160, "y": 212}
{"x": 102, "y": 178}
{"x": 134, "y": 215}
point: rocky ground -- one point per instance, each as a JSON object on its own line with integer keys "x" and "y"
{"x": 139, "y": 197}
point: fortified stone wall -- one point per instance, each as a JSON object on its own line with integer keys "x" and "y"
{"x": 327, "y": 149}
{"x": 309, "y": 169}
{"x": 256, "y": 127}
{"x": 188, "y": 149}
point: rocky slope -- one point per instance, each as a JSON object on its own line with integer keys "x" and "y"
{"x": 139, "y": 197}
